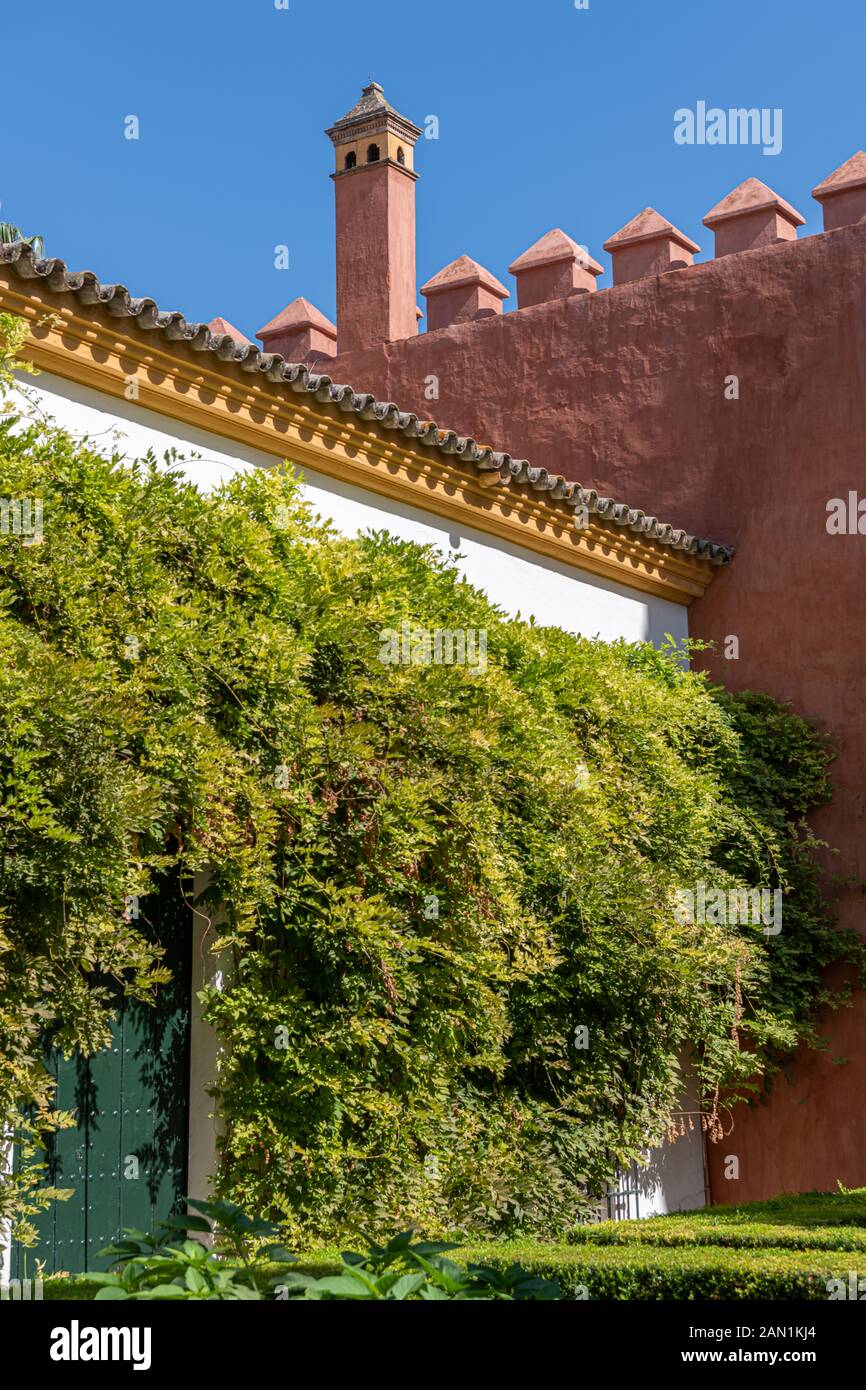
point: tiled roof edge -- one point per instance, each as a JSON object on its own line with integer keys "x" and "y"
{"x": 117, "y": 300}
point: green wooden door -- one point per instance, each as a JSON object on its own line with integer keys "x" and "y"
{"x": 127, "y": 1156}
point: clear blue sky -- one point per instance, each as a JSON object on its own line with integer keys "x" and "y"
{"x": 549, "y": 116}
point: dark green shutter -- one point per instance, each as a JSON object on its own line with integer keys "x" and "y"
{"x": 132, "y": 1102}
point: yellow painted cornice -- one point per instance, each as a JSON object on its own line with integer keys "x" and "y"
{"x": 85, "y": 344}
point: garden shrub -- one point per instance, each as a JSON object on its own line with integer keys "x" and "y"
{"x": 813, "y": 1221}
{"x": 643, "y": 1271}
{"x": 431, "y": 877}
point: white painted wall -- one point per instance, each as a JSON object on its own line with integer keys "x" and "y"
{"x": 518, "y": 580}
{"x": 6, "y": 1157}
{"x": 205, "y": 1127}
{"x": 675, "y": 1178}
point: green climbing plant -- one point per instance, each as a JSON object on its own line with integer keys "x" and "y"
{"x": 9, "y": 233}
{"x": 457, "y": 988}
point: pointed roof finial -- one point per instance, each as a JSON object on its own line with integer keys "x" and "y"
{"x": 843, "y": 193}
{"x": 219, "y": 327}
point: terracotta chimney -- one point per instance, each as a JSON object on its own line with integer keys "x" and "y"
{"x": 752, "y": 215}
{"x": 552, "y": 268}
{"x": 219, "y": 326}
{"x": 300, "y": 332}
{"x": 843, "y": 195}
{"x": 649, "y": 245}
{"x": 375, "y": 196}
{"x": 464, "y": 290}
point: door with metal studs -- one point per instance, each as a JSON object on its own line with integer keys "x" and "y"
{"x": 127, "y": 1156}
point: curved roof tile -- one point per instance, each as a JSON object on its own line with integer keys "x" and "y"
{"x": 117, "y": 300}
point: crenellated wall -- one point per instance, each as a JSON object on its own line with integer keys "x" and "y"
{"x": 631, "y": 390}
{"x": 730, "y": 396}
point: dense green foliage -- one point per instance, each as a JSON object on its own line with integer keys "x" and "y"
{"x": 431, "y": 878}
{"x": 406, "y": 1269}
{"x": 239, "y": 1261}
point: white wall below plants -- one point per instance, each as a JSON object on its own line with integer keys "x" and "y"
{"x": 675, "y": 1177}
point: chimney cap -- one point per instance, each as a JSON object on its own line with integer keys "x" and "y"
{"x": 464, "y": 271}
{"x": 300, "y": 314}
{"x": 553, "y": 247}
{"x": 649, "y": 225}
{"x": 220, "y": 326}
{"x": 752, "y": 196}
{"x": 851, "y": 174}
{"x": 371, "y": 107}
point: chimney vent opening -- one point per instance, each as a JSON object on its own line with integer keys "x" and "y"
{"x": 372, "y": 154}
{"x": 351, "y": 159}
{"x": 401, "y": 155}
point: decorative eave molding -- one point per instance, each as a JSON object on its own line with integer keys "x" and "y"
{"x": 373, "y": 123}
{"x": 88, "y": 345}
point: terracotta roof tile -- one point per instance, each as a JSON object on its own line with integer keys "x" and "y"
{"x": 851, "y": 174}
{"x": 464, "y": 271}
{"x": 648, "y": 226}
{"x": 554, "y": 246}
{"x": 300, "y": 314}
{"x": 219, "y": 326}
{"x": 751, "y": 196}
{"x": 87, "y": 289}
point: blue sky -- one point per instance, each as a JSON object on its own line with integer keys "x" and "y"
{"x": 548, "y": 116}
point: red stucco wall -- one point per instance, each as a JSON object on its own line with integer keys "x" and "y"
{"x": 624, "y": 390}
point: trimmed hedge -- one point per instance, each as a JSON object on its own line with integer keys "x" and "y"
{"x": 62, "y": 1287}
{"x": 813, "y": 1221}
{"x": 842, "y": 1208}
{"x": 682, "y": 1272}
{"x": 752, "y": 1236}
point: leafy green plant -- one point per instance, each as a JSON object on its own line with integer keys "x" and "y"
{"x": 407, "y": 1269}
{"x": 13, "y": 335}
{"x": 234, "y": 1262}
{"x": 239, "y": 1260}
{"x": 9, "y": 233}
{"x": 420, "y": 904}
